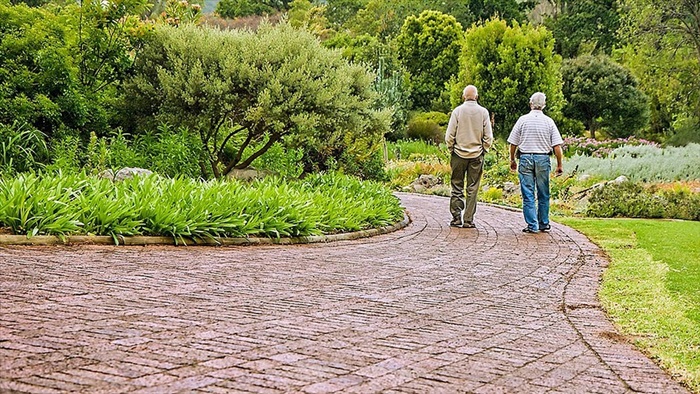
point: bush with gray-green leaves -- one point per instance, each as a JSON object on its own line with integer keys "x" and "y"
{"x": 240, "y": 88}
{"x": 642, "y": 163}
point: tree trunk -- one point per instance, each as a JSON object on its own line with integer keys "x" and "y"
{"x": 592, "y": 128}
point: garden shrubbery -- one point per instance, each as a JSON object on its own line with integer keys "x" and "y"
{"x": 634, "y": 200}
{"x": 69, "y": 204}
{"x": 428, "y": 126}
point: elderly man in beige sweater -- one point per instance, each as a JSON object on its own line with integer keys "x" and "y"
{"x": 468, "y": 137}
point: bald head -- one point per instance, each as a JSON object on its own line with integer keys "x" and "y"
{"x": 470, "y": 93}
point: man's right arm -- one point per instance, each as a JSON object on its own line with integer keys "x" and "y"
{"x": 487, "y": 139}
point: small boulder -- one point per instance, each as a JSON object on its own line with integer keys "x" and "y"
{"x": 130, "y": 172}
{"x": 248, "y": 174}
{"x": 510, "y": 188}
{"x": 124, "y": 173}
{"x": 619, "y": 180}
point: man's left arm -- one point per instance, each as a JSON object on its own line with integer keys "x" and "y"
{"x": 559, "y": 154}
{"x": 557, "y": 143}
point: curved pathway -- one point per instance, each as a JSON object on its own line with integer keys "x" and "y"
{"x": 425, "y": 309}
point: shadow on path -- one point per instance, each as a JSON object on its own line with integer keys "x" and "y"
{"x": 429, "y": 308}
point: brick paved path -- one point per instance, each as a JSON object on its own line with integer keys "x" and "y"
{"x": 425, "y": 309}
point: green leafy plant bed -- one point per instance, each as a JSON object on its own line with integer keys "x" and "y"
{"x": 651, "y": 289}
{"x": 190, "y": 210}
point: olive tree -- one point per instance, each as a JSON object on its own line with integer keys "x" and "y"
{"x": 604, "y": 95}
{"x": 508, "y": 64}
{"x": 244, "y": 91}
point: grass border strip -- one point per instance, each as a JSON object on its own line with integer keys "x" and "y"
{"x": 49, "y": 240}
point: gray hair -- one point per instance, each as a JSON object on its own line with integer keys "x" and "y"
{"x": 537, "y": 100}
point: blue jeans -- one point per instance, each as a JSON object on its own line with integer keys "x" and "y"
{"x": 533, "y": 173}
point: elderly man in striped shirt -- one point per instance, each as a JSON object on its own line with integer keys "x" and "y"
{"x": 535, "y": 135}
{"x": 468, "y": 137}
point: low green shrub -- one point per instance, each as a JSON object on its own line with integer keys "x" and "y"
{"x": 22, "y": 147}
{"x": 415, "y": 149}
{"x": 65, "y": 153}
{"x": 687, "y": 131}
{"x": 180, "y": 207}
{"x": 492, "y": 195}
{"x": 428, "y": 126}
{"x": 634, "y": 200}
{"x": 170, "y": 152}
{"x": 281, "y": 161}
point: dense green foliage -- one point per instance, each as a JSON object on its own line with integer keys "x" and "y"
{"x": 469, "y": 12}
{"x": 238, "y": 8}
{"x": 508, "y": 64}
{"x": 339, "y": 12}
{"x": 651, "y": 288}
{"x": 238, "y": 88}
{"x": 585, "y": 26}
{"x": 428, "y": 126}
{"x": 39, "y": 82}
{"x": 384, "y": 18}
{"x": 21, "y": 148}
{"x": 603, "y": 95}
{"x": 77, "y": 204}
{"x": 663, "y": 50}
{"x": 429, "y": 47}
{"x": 59, "y": 66}
{"x": 634, "y": 200}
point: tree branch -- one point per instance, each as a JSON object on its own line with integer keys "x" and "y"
{"x": 226, "y": 140}
{"x": 239, "y": 154}
{"x": 273, "y": 138}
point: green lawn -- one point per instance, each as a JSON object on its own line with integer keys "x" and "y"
{"x": 652, "y": 288}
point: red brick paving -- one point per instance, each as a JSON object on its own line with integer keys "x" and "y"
{"x": 425, "y": 309}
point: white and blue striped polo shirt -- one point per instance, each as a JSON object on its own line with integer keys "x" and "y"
{"x": 535, "y": 133}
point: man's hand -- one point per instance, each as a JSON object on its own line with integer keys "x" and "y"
{"x": 513, "y": 165}
{"x": 559, "y": 171}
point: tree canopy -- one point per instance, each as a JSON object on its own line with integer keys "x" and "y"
{"x": 662, "y": 48}
{"x": 583, "y": 26}
{"x": 604, "y": 95}
{"x": 245, "y": 91}
{"x": 508, "y": 64}
{"x": 429, "y": 46}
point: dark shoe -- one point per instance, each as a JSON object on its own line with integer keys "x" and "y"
{"x": 529, "y": 230}
{"x": 469, "y": 225}
{"x": 546, "y": 228}
{"x": 456, "y": 223}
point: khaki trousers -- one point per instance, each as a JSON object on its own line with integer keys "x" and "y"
{"x": 471, "y": 169}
